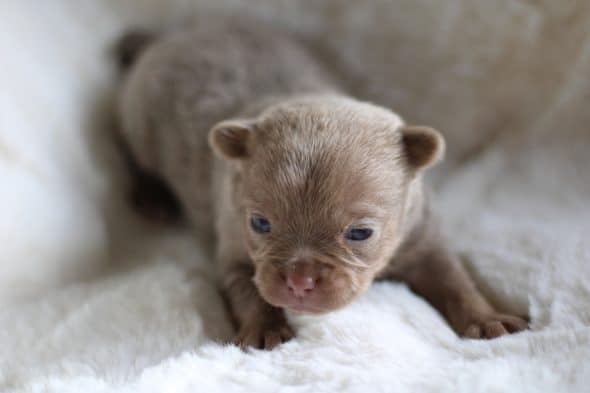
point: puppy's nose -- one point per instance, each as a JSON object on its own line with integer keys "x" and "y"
{"x": 301, "y": 279}
{"x": 300, "y": 285}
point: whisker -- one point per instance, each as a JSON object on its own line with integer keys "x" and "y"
{"x": 349, "y": 260}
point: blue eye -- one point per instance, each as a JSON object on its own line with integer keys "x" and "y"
{"x": 260, "y": 224}
{"x": 358, "y": 234}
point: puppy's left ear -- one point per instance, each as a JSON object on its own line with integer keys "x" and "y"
{"x": 232, "y": 139}
{"x": 423, "y": 146}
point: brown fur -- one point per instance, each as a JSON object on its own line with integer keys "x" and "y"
{"x": 306, "y": 157}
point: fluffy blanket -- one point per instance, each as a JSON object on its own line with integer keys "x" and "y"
{"x": 93, "y": 299}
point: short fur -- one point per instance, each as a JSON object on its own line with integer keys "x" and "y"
{"x": 292, "y": 148}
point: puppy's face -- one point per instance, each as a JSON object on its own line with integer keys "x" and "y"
{"x": 321, "y": 188}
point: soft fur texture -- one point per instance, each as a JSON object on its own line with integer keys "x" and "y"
{"x": 95, "y": 300}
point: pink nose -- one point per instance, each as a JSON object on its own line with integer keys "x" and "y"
{"x": 300, "y": 285}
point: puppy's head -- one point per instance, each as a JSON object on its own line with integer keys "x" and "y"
{"x": 321, "y": 185}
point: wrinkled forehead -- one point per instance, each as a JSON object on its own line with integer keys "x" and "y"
{"x": 317, "y": 161}
{"x": 323, "y": 182}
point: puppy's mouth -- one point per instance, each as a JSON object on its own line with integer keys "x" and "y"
{"x": 314, "y": 303}
{"x": 303, "y": 292}
{"x": 303, "y": 306}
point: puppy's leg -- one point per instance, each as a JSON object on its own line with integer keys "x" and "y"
{"x": 260, "y": 325}
{"x": 149, "y": 194}
{"x": 437, "y": 275}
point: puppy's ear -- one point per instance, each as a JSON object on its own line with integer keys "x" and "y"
{"x": 231, "y": 138}
{"x": 423, "y": 146}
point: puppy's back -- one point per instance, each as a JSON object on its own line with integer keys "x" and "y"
{"x": 184, "y": 83}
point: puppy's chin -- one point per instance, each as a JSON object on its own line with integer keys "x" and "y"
{"x": 330, "y": 294}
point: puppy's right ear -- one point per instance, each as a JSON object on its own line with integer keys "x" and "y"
{"x": 232, "y": 138}
{"x": 424, "y": 146}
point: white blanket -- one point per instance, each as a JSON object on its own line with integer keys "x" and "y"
{"x": 93, "y": 299}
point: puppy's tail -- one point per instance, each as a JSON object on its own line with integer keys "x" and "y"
{"x": 130, "y": 46}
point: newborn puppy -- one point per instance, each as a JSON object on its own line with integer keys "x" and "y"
{"x": 314, "y": 195}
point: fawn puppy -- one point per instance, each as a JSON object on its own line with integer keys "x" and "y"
{"x": 308, "y": 194}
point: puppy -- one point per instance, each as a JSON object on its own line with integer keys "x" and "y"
{"x": 314, "y": 195}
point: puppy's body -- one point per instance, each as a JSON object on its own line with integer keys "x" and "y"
{"x": 315, "y": 194}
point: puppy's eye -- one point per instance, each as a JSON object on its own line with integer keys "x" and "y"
{"x": 260, "y": 224}
{"x": 358, "y": 234}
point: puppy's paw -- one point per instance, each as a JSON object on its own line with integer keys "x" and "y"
{"x": 494, "y": 325}
{"x": 264, "y": 334}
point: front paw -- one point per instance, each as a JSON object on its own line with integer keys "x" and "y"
{"x": 494, "y": 325}
{"x": 265, "y": 332}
